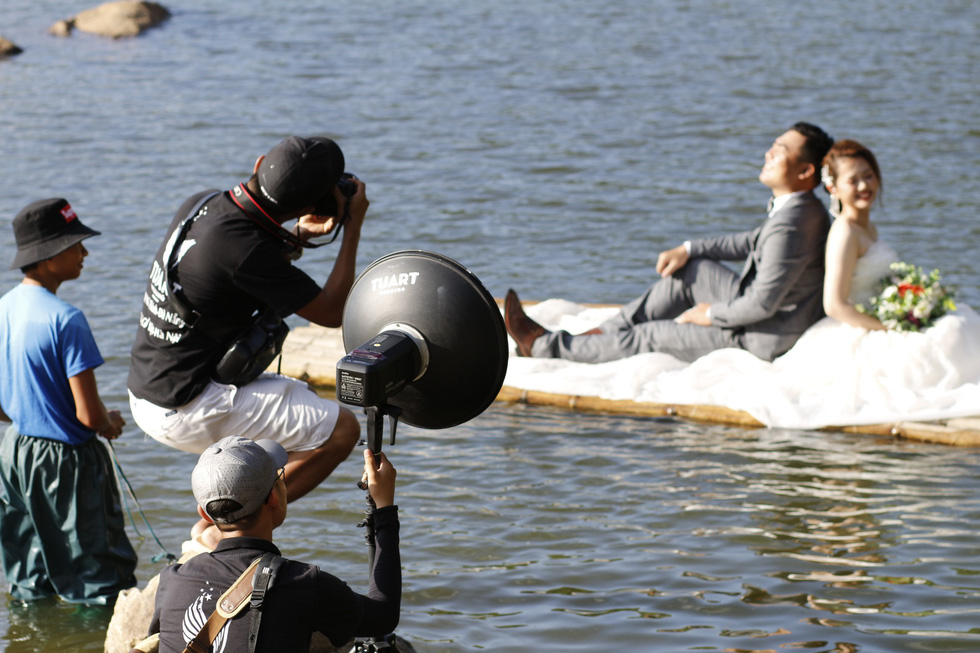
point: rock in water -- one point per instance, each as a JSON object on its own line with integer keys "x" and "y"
{"x": 8, "y": 48}
{"x": 118, "y": 19}
{"x": 62, "y": 28}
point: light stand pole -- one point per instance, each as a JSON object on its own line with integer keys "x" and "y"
{"x": 375, "y": 438}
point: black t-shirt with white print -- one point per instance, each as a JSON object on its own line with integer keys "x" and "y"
{"x": 227, "y": 268}
{"x": 302, "y": 599}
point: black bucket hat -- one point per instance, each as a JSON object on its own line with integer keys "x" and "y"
{"x": 46, "y": 228}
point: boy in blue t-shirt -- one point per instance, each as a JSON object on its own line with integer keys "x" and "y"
{"x": 61, "y": 524}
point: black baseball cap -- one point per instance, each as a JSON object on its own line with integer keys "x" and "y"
{"x": 301, "y": 172}
{"x": 46, "y": 228}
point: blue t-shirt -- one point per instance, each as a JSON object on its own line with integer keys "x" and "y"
{"x": 43, "y": 341}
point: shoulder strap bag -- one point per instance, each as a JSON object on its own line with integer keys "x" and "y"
{"x": 249, "y": 589}
{"x": 261, "y": 583}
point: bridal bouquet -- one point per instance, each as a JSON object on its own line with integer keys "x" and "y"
{"x": 911, "y": 300}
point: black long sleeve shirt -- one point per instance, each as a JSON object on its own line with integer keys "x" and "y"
{"x": 302, "y": 599}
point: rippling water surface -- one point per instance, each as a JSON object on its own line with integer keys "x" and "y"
{"x": 554, "y": 147}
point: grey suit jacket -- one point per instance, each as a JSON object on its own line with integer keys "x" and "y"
{"x": 781, "y": 285}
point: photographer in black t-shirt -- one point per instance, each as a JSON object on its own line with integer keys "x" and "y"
{"x": 234, "y": 261}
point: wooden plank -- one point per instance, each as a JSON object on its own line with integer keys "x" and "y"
{"x": 311, "y": 354}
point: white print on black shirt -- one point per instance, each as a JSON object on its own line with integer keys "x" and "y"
{"x": 162, "y": 313}
{"x": 155, "y": 304}
{"x": 194, "y": 620}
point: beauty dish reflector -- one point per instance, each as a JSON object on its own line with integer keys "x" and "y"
{"x": 425, "y": 337}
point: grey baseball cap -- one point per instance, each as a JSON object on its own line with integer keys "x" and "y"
{"x": 239, "y": 469}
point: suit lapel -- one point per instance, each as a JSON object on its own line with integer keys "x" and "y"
{"x": 749, "y": 266}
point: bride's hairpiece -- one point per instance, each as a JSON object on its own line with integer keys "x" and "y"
{"x": 826, "y": 178}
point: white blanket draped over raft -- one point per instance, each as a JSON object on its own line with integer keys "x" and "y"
{"x": 836, "y": 375}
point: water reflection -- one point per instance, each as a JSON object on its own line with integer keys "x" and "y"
{"x": 533, "y": 525}
{"x": 681, "y": 525}
{"x": 52, "y": 625}
{"x": 833, "y": 532}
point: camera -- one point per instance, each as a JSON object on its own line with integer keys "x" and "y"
{"x": 328, "y": 205}
{"x": 346, "y": 186}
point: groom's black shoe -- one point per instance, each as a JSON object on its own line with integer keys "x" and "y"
{"x": 521, "y": 328}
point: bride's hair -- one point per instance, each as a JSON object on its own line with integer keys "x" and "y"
{"x": 847, "y": 149}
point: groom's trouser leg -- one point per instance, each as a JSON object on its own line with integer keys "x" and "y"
{"x": 646, "y": 323}
{"x": 701, "y": 280}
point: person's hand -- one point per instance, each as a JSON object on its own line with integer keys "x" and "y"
{"x": 672, "y": 260}
{"x": 358, "y": 204}
{"x": 113, "y": 426}
{"x": 380, "y": 480}
{"x": 312, "y": 226}
{"x": 695, "y": 315}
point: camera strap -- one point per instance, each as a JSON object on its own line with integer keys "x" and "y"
{"x": 245, "y": 201}
{"x": 343, "y": 220}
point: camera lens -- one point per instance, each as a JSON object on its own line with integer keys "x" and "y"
{"x": 346, "y": 185}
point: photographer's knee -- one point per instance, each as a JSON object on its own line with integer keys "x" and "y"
{"x": 347, "y": 429}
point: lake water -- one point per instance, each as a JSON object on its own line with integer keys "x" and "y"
{"x": 554, "y": 147}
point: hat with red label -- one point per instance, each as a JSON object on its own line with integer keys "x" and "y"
{"x": 46, "y": 228}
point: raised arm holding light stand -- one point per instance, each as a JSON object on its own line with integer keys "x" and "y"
{"x": 427, "y": 346}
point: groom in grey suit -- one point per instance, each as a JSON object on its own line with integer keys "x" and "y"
{"x": 700, "y": 305}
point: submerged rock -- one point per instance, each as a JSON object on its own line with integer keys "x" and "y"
{"x": 117, "y": 19}
{"x": 8, "y": 48}
{"x": 62, "y": 27}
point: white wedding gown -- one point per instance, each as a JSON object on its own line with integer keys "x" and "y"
{"x": 835, "y": 375}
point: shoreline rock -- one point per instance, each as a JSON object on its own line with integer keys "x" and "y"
{"x": 116, "y": 19}
{"x": 8, "y": 48}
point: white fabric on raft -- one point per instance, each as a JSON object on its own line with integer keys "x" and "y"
{"x": 836, "y": 375}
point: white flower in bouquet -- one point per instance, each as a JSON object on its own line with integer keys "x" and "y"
{"x": 923, "y": 310}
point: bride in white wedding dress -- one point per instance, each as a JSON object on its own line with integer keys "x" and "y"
{"x": 845, "y": 370}
{"x": 852, "y": 177}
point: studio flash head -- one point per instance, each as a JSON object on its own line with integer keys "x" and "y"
{"x": 426, "y": 343}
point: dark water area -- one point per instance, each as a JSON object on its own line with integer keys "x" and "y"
{"x": 555, "y": 148}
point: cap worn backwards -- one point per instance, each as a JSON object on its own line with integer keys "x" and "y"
{"x": 46, "y": 228}
{"x": 298, "y": 172}
{"x": 238, "y": 469}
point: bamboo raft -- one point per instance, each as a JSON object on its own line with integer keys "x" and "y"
{"x": 311, "y": 353}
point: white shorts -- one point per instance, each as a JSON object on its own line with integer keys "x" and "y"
{"x": 272, "y": 406}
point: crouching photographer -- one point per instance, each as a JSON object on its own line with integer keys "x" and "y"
{"x": 210, "y": 600}
{"x": 211, "y": 320}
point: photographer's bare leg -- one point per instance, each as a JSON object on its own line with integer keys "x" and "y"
{"x": 307, "y": 469}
